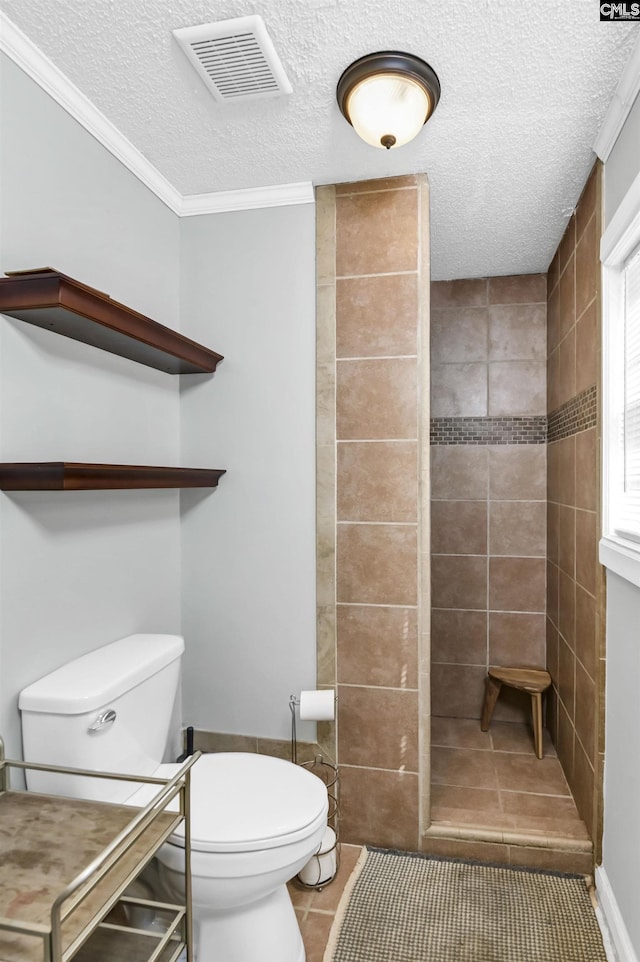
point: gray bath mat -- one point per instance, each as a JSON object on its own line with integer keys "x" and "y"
{"x": 410, "y": 908}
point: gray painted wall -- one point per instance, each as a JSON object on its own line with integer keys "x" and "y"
{"x": 80, "y": 569}
{"x": 248, "y": 288}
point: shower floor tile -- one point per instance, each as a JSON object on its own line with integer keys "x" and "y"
{"x": 494, "y": 780}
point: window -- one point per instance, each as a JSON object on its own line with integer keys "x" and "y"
{"x": 620, "y": 254}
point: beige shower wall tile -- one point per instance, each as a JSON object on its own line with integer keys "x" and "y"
{"x": 459, "y": 390}
{"x": 553, "y": 320}
{"x": 377, "y": 564}
{"x": 380, "y": 183}
{"x": 517, "y": 472}
{"x": 567, "y": 607}
{"x": 553, "y": 525}
{"x": 564, "y": 452}
{"x": 325, "y": 234}
{"x": 459, "y": 335}
{"x": 587, "y": 205}
{"x": 587, "y": 349}
{"x": 377, "y": 233}
{"x": 517, "y": 584}
{"x": 517, "y": 528}
{"x": 424, "y": 232}
{"x": 325, "y": 403}
{"x": 553, "y": 273}
{"x": 205, "y": 741}
{"x": 517, "y": 638}
{"x": 567, "y": 302}
{"x": 377, "y": 646}
{"x": 583, "y": 786}
{"x": 517, "y": 332}
{"x": 378, "y": 728}
{"x": 326, "y": 568}
{"x": 377, "y": 481}
{"x": 553, "y": 591}
{"x": 326, "y": 324}
{"x": 586, "y": 702}
{"x": 566, "y": 539}
{"x": 567, "y": 367}
{"x": 325, "y": 482}
{"x": 457, "y": 690}
{"x": 379, "y": 808}
{"x": 586, "y": 550}
{"x": 587, "y": 267}
{"x": 377, "y": 399}
{"x": 459, "y": 472}
{"x": 459, "y": 581}
{"x": 377, "y": 316}
{"x": 469, "y": 292}
{"x": 459, "y": 527}
{"x": 553, "y": 380}
{"x": 518, "y": 289}
{"x": 517, "y": 388}
{"x": 567, "y": 244}
{"x": 459, "y": 636}
{"x": 566, "y": 679}
{"x": 587, "y": 470}
{"x": 325, "y": 573}
{"x": 326, "y": 644}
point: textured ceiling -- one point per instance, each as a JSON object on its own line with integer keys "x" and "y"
{"x": 525, "y": 87}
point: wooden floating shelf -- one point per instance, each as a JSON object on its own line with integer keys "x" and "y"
{"x": 53, "y": 301}
{"x": 74, "y": 476}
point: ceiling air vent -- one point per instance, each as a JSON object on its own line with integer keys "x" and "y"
{"x": 235, "y": 58}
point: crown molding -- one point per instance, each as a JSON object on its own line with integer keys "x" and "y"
{"x": 621, "y": 103}
{"x": 249, "y": 198}
{"x": 50, "y": 78}
{"x": 24, "y": 53}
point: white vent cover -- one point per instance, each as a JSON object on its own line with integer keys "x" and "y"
{"x": 235, "y": 58}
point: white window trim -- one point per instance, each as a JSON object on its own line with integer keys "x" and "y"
{"x": 622, "y": 236}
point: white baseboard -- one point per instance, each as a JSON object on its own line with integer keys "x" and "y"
{"x": 614, "y": 932}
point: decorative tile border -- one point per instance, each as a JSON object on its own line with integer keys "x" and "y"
{"x": 504, "y": 430}
{"x": 578, "y": 414}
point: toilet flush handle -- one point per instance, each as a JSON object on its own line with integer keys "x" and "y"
{"x": 102, "y": 721}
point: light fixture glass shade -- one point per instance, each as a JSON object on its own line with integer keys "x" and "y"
{"x": 388, "y": 97}
{"x": 388, "y": 105}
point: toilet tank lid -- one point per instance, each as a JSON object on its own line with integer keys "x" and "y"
{"x": 94, "y": 679}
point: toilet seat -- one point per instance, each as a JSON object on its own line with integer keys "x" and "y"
{"x": 272, "y": 803}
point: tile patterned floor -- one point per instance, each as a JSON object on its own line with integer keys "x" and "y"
{"x": 316, "y": 910}
{"x": 493, "y": 779}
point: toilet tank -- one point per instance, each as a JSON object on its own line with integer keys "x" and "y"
{"x": 108, "y": 711}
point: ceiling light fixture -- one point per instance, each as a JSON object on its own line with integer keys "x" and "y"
{"x": 387, "y": 97}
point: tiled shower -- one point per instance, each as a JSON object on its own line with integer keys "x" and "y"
{"x": 500, "y": 521}
{"x": 488, "y": 493}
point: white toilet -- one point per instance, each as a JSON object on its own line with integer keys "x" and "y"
{"x": 255, "y": 820}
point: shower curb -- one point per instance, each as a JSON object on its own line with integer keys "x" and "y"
{"x": 471, "y": 833}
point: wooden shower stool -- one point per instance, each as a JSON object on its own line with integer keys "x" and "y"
{"x": 534, "y": 681}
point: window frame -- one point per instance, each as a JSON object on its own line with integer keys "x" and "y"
{"x": 619, "y": 241}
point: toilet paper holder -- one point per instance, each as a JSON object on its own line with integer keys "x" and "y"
{"x": 323, "y": 865}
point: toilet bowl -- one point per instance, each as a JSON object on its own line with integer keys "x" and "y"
{"x": 255, "y": 822}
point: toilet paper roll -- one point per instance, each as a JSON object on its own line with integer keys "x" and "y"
{"x": 322, "y": 866}
{"x": 317, "y": 705}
